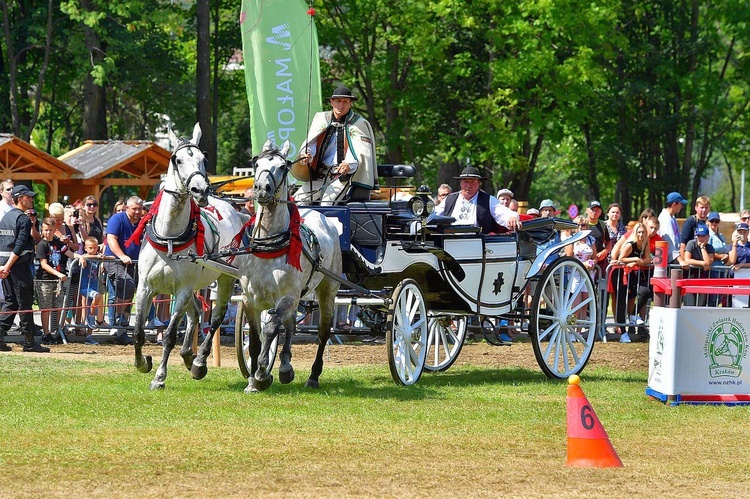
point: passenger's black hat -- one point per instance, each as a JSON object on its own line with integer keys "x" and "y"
{"x": 343, "y": 93}
{"x": 470, "y": 172}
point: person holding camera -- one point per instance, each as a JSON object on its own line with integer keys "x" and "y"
{"x": 739, "y": 255}
{"x": 64, "y": 231}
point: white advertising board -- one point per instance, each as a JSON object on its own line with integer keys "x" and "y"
{"x": 699, "y": 351}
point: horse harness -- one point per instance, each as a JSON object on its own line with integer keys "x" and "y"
{"x": 185, "y": 144}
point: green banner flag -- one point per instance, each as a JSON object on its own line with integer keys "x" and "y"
{"x": 282, "y": 70}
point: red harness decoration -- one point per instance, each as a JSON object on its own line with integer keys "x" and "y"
{"x": 292, "y": 251}
{"x": 195, "y": 215}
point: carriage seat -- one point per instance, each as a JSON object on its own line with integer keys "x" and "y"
{"x": 396, "y": 171}
{"x": 362, "y": 194}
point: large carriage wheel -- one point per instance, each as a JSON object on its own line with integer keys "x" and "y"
{"x": 406, "y": 333}
{"x": 242, "y": 344}
{"x": 446, "y": 337}
{"x": 563, "y": 318}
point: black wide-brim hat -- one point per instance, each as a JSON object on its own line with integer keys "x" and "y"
{"x": 343, "y": 93}
{"x": 471, "y": 172}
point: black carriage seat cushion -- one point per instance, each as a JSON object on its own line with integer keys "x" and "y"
{"x": 357, "y": 193}
{"x": 366, "y": 223}
{"x": 396, "y": 171}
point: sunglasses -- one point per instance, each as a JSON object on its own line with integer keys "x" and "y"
{"x": 8, "y": 189}
{"x": 92, "y": 205}
{"x": 745, "y": 218}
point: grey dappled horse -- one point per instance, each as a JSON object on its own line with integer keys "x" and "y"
{"x": 273, "y": 284}
{"x": 174, "y": 222}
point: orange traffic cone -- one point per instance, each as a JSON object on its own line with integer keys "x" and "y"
{"x": 588, "y": 443}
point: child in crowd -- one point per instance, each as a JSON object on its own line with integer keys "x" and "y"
{"x": 90, "y": 295}
{"x": 53, "y": 255}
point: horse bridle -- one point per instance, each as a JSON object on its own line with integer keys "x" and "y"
{"x": 185, "y": 144}
{"x": 276, "y": 183}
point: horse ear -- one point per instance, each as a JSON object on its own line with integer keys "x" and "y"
{"x": 268, "y": 145}
{"x": 285, "y": 148}
{"x": 172, "y": 137}
{"x": 197, "y": 133}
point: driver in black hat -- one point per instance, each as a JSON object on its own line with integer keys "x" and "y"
{"x": 473, "y": 206}
{"x": 338, "y": 157}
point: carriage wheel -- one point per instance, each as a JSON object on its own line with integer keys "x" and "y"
{"x": 406, "y": 333}
{"x": 242, "y": 344}
{"x": 563, "y": 318}
{"x": 446, "y": 337}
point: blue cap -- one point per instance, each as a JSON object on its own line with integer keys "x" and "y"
{"x": 701, "y": 230}
{"x": 676, "y": 197}
{"x": 741, "y": 226}
{"x": 713, "y": 216}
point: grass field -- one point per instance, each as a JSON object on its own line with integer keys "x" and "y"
{"x": 93, "y": 429}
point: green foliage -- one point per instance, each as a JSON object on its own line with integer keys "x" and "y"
{"x": 620, "y": 100}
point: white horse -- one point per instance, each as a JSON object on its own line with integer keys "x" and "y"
{"x": 275, "y": 274}
{"x": 175, "y": 230}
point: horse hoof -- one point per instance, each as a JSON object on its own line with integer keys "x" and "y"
{"x": 188, "y": 360}
{"x": 198, "y": 372}
{"x": 312, "y": 383}
{"x": 157, "y": 385}
{"x": 146, "y": 365}
{"x": 261, "y": 385}
{"x": 286, "y": 377}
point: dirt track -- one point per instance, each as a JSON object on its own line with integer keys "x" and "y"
{"x": 633, "y": 356}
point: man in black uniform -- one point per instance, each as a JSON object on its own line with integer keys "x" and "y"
{"x": 16, "y": 252}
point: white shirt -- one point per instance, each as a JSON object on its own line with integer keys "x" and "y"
{"x": 4, "y": 208}
{"x": 465, "y": 211}
{"x": 329, "y": 155}
{"x": 670, "y": 232}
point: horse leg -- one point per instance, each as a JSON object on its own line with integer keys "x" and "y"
{"x": 286, "y": 310}
{"x": 191, "y": 327}
{"x": 170, "y": 339}
{"x": 224, "y": 293}
{"x": 143, "y": 363}
{"x": 263, "y": 377}
{"x": 286, "y": 371}
{"x": 324, "y": 333}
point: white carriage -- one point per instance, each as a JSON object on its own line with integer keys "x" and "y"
{"x": 419, "y": 280}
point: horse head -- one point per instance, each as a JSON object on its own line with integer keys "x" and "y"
{"x": 271, "y": 168}
{"x": 187, "y": 168}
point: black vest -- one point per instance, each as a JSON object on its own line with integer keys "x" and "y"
{"x": 9, "y": 233}
{"x": 485, "y": 220}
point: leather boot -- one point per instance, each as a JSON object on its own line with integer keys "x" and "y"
{"x": 29, "y": 345}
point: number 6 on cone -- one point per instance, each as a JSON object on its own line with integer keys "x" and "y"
{"x": 588, "y": 442}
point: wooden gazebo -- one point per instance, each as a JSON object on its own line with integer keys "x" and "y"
{"x": 21, "y": 161}
{"x": 104, "y": 164}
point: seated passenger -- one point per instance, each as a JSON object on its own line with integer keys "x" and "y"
{"x": 473, "y": 206}
{"x": 339, "y": 154}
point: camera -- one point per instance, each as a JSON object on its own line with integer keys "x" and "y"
{"x": 76, "y": 213}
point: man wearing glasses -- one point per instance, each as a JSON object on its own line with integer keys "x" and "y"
{"x": 16, "y": 253}
{"x": 442, "y": 193}
{"x": 121, "y": 271}
{"x": 473, "y": 206}
{"x": 6, "y": 204}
